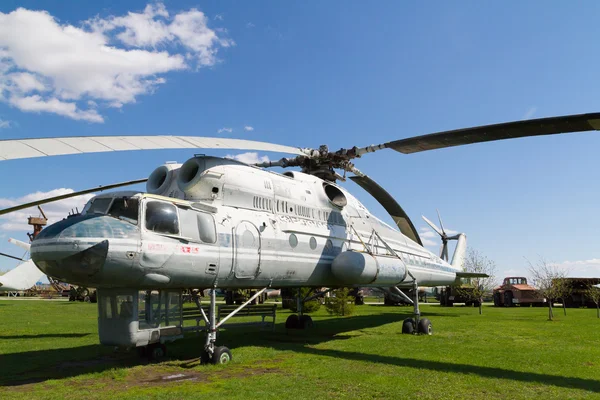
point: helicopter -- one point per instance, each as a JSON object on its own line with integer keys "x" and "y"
{"x": 219, "y": 223}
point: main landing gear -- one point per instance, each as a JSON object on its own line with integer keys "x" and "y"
{"x": 212, "y": 353}
{"x": 299, "y": 321}
{"x": 417, "y": 324}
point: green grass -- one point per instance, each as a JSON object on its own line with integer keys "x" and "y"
{"x": 49, "y": 350}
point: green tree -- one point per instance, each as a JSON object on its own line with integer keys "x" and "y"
{"x": 307, "y": 306}
{"x": 341, "y": 303}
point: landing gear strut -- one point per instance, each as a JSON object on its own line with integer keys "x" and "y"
{"x": 416, "y": 324}
{"x": 212, "y": 353}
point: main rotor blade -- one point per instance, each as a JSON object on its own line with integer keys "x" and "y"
{"x": 13, "y": 257}
{"x": 69, "y": 195}
{"x": 488, "y": 133}
{"x": 29, "y": 148}
{"x": 433, "y": 226}
{"x": 391, "y": 206}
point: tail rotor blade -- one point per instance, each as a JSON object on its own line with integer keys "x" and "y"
{"x": 441, "y": 223}
{"x": 432, "y": 225}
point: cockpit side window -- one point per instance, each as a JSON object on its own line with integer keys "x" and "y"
{"x": 198, "y": 225}
{"x": 99, "y": 206}
{"x": 162, "y": 218}
{"x": 125, "y": 208}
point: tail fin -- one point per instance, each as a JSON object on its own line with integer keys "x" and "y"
{"x": 458, "y": 258}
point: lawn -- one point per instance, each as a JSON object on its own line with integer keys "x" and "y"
{"x": 50, "y": 350}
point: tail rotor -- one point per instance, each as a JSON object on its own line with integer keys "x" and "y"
{"x": 443, "y": 235}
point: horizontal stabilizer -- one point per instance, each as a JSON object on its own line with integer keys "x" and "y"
{"x": 22, "y": 277}
{"x": 462, "y": 274}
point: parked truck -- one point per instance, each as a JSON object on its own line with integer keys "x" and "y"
{"x": 516, "y": 291}
{"x": 576, "y": 291}
{"x": 463, "y": 293}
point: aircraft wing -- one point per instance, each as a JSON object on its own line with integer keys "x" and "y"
{"x": 22, "y": 277}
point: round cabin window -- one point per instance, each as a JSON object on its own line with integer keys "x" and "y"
{"x": 293, "y": 240}
{"x": 312, "y": 243}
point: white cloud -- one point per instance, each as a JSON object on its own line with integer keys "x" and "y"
{"x": 428, "y": 237}
{"x": 46, "y": 66}
{"x": 250, "y": 25}
{"x": 17, "y": 221}
{"x": 581, "y": 269}
{"x": 248, "y": 158}
{"x": 35, "y": 103}
{"x": 26, "y": 82}
{"x": 248, "y": 128}
{"x": 530, "y": 113}
{"x": 225, "y": 130}
{"x": 4, "y": 124}
{"x": 219, "y": 17}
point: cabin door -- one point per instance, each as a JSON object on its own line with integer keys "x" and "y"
{"x": 247, "y": 250}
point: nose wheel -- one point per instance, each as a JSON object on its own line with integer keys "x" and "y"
{"x": 417, "y": 325}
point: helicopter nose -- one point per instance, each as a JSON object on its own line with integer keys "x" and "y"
{"x": 79, "y": 266}
{"x": 86, "y": 249}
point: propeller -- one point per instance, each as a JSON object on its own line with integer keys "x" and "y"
{"x": 443, "y": 235}
{"x": 69, "y": 195}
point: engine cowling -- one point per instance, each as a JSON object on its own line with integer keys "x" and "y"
{"x": 195, "y": 179}
{"x": 163, "y": 180}
{"x": 356, "y": 268}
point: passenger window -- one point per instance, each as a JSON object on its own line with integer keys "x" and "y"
{"x": 162, "y": 218}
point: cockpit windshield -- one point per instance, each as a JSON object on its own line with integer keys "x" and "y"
{"x": 124, "y": 208}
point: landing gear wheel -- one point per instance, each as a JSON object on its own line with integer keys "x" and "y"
{"x": 156, "y": 351}
{"x": 305, "y": 322}
{"x": 425, "y": 327}
{"x": 142, "y": 351}
{"x": 222, "y": 355}
{"x": 292, "y": 322}
{"x": 497, "y": 300}
{"x": 408, "y": 326}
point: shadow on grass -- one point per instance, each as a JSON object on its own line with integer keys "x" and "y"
{"x": 45, "y": 335}
{"x": 485, "y": 372}
{"x": 38, "y": 366}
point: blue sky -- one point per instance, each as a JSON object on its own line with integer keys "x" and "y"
{"x": 343, "y": 74}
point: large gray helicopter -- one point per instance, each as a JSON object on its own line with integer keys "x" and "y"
{"x": 218, "y": 223}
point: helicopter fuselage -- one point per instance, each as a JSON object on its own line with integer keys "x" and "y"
{"x": 226, "y": 224}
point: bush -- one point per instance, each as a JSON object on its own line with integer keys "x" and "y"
{"x": 308, "y": 306}
{"x": 341, "y": 303}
